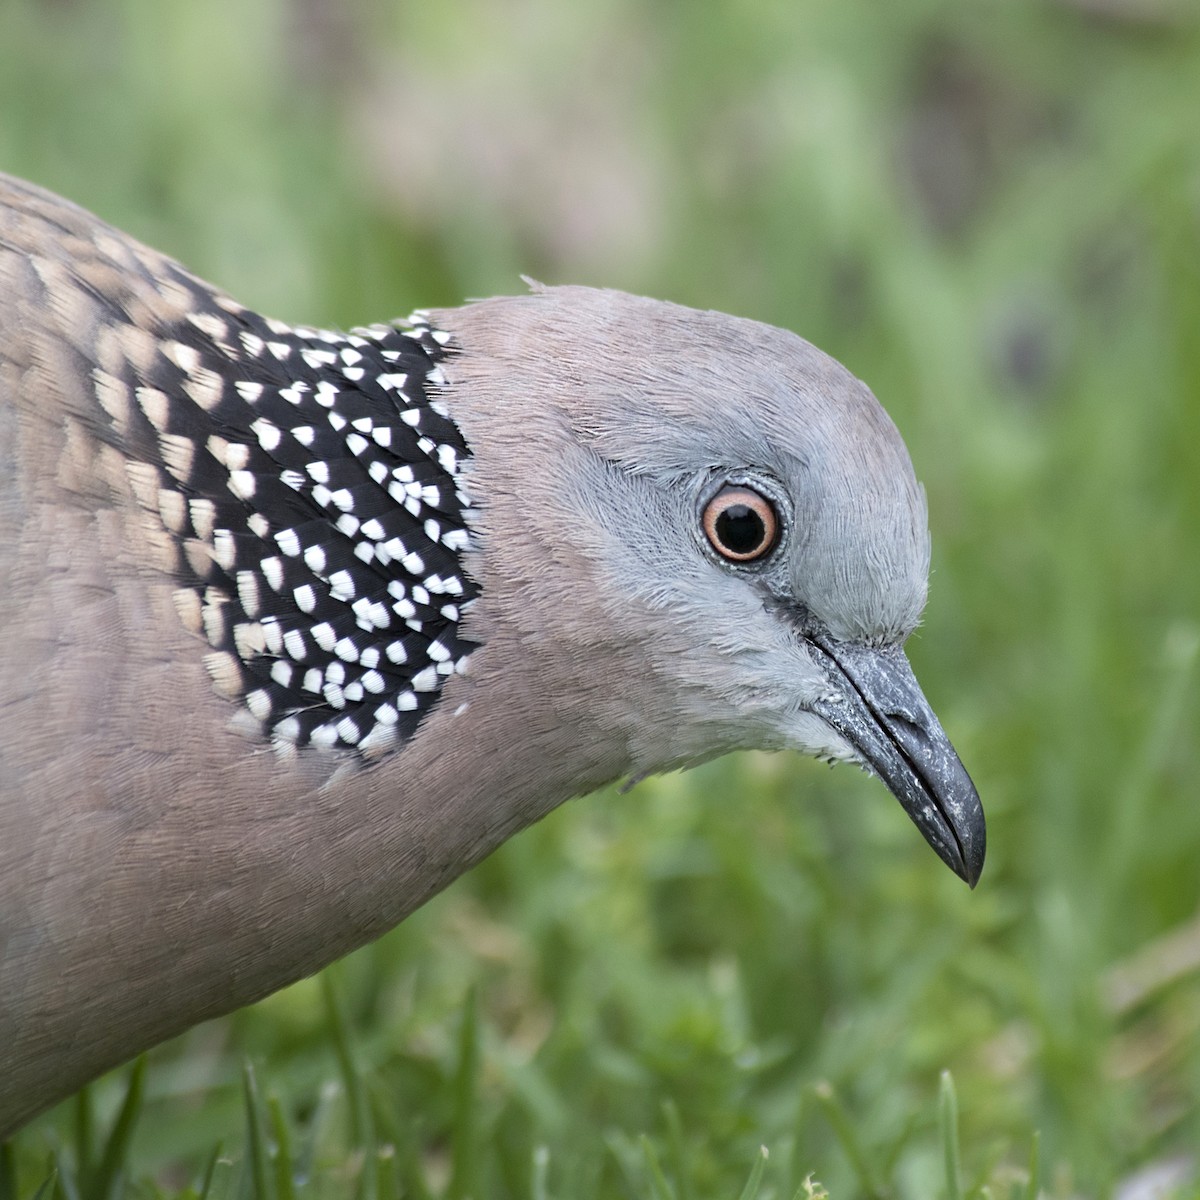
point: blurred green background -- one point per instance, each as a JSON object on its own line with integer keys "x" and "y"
{"x": 991, "y": 213}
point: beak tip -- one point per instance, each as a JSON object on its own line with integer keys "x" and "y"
{"x": 972, "y": 873}
{"x": 975, "y": 867}
{"x": 970, "y": 852}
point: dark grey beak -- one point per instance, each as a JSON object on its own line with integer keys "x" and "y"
{"x": 876, "y": 704}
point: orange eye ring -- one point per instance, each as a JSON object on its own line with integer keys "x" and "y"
{"x": 741, "y": 525}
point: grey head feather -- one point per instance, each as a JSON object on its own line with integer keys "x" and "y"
{"x": 592, "y": 517}
{"x": 668, "y": 394}
{"x": 647, "y": 406}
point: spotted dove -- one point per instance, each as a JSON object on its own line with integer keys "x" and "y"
{"x": 298, "y": 625}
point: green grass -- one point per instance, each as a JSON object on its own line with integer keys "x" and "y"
{"x": 724, "y": 982}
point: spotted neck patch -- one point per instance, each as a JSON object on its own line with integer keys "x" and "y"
{"x": 312, "y": 485}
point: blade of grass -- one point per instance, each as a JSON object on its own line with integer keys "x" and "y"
{"x": 84, "y": 1111}
{"x": 750, "y": 1191}
{"x": 8, "y": 1172}
{"x": 541, "y": 1169}
{"x": 319, "y": 1130}
{"x": 352, "y": 1079}
{"x": 658, "y": 1181}
{"x": 839, "y": 1120}
{"x": 219, "y": 1178}
{"x": 1035, "y": 1179}
{"x": 285, "y": 1178}
{"x": 49, "y": 1185}
{"x": 256, "y": 1135}
{"x": 403, "y": 1139}
{"x": 464, "y": 1151}
{"x": 387, "y": 1178}
{"x": 675, "y": 1149}
{"x": 948, "y": 1121}
{"x": 626, "y": 1157}
{"x": 65, "y": 1184}
{"x": 104, "y": 1184}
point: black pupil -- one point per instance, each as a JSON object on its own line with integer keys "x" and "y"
{"x": 740, "y": 529}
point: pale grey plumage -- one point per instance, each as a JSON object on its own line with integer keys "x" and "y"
{"x": 643, "y": 406}
{"x": 157, "y": 868}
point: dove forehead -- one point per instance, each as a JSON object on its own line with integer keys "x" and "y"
{"x": 669, "y": 392}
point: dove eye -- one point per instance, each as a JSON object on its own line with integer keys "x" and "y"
{"x": 741, "y": 524}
